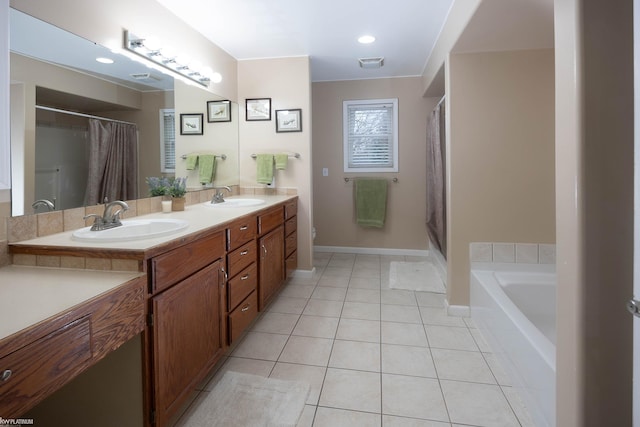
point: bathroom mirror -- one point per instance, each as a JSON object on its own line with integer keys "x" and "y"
{"x": 63, "y": 74}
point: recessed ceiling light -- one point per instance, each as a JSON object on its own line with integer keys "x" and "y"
{"x": 105, "y": 60}
{"x": 366, "y": 39}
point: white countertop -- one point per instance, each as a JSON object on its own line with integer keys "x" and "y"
{"x": 29, "y": 295}
{"x": 200, "y": 217}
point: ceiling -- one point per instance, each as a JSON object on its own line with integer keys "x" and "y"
{"x": 325, "y": 30}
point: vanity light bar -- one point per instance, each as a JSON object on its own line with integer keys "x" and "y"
{"x": 136, "y": 45}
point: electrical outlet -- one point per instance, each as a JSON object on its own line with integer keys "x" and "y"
{"x": 325, "y": 171}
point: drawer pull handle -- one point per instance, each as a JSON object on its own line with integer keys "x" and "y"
{"x": 245, "y": 308}
{"x": 6, "y": 375}
{"x": 245, "y": 277}
{"x": 244, "y": 227}
{"x": 244, "y": 252}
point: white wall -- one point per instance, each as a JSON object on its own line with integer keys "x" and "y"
{"x": 5, "y": 168}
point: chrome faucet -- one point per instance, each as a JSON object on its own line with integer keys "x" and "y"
{"x": 109, "y": 219}
{"x": 44, "y": 202}
{"x": 219, "y": 196}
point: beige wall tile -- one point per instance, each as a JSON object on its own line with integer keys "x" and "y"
{"x": 50, "y": 223}
{"x": 5, "y": 258}
{"x": 72, "y": 262}
{"x": 73, "y": 218}
{"x": 22, "y": 228}
{"x": 97, "y": 264}
{"x": 47, "y": 261}
{"x": 125, "y": 265}
{"x": 144, "y": 206}
{"x": 24, "y": 259}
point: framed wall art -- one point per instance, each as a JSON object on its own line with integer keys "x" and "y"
{"x": 289, "y": 120}
{"x": 191, "y": 124}
{"x": 258, "y": 109}
{"x": 218, "y": 111}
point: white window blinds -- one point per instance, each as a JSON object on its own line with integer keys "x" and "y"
{"x": 167, "y": 140}
{"x": 370, "y": 135}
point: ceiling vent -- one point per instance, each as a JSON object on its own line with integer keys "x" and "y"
{"x": 145, "y": 77}
{"x": 371, "y": 62}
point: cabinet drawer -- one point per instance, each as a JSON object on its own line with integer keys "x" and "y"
{"x": 242, "y": 285}
{"x": 270, "y": 220}
{"x": 239, "y": 259}
{"x": 290, "y": 243}
{"x": 290, "y": 226}
{"x": 291, "y": 209}
{"x": 168, "y": 269}
{"x": 242, "y": 316}
{"x": 240, "y": 232}
{"x": 43, "y": 366}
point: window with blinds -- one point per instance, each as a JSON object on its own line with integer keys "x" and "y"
{"x": 370, "y": 135}
{"x": 167, "y": 141}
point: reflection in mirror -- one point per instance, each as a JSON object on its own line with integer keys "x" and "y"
{"x": 48, "y": 145}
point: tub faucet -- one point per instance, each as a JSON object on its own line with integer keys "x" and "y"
{"x": 44, "y": 202}
{"x": 219, "y": 196}
{"x": 109, "y": 219}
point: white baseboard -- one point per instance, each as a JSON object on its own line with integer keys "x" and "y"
{"x": 458, "y": 310}
{"x": 304, "y": 274}
{"x": 372, "y": 251}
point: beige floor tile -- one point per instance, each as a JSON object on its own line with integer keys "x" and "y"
{"x": 328, "y": 293}
{"x": 361, "y": 310}
{"x": 287, "y": 305}
{"x": 362, "y": 356}
{"x": 398, "y": 297}
{"x": 307, "y": 351}
{"x": 478, "y": 404}
{"x": 450, "y": 337}
{"x": 297, "y": 291}
{"x": 355, "y": 390}
{"x": 341, "y": 263}
{"x": 319, "y": 307}
{"x": 276, "y": 323}
{"x": 430, "y": 299}
{"x": 371, "y": 296}
{"x": 400, "y": 313}
{"x": 403, "y": 334}
{"x": 366, "y": 272}
{"x": 245, "y": 366}
{"x": 259, "y": 345}
{"x": 316, "y": 326}
{"x": 499, "y": 372}
{"x": 365, "y": 283}
{"x": 462, "y": 366}
{"x": 519, "y": 407}
{"x": 330, "y": 271}
{"x": 306, "y": 419}
{"x": 413, "y": 397}
{"x": 407, "y": 360}
{"x": 331, "y": 417}
{"x": 312, "y": 375}
{"x": 392, "y": 421}
{"x": 334, "y": 282}
{"x": 359, "y": 330}
{"x": 439, "y": 316}
{"x": 480, "y": 340}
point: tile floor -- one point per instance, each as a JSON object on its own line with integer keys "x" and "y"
{"x": 374, "y": 356}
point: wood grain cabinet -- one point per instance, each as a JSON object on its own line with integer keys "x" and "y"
{"x": 271, "y": 254}
{"x": 291, "y": 236}
{"x": 188, "y": 327}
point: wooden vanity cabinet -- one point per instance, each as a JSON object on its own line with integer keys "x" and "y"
{"x": 242, "y": 285}
{"x": 271, "y": 250}
{"x": 291, "y": 237}
{"x": 188, "y": 326}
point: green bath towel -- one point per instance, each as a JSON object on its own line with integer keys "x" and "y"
{"x": 192, "y": 161}
{"x": 207, "y": 168}
{"x": 281, "y": 161}
{"x": 265, "y": 168}
{"x": 371, "y": 202}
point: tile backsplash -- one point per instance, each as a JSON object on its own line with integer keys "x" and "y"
{"x": 525, "y": 253}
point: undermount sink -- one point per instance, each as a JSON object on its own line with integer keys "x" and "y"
{"x": 132, "y": 230}
{"x": 235, "y": 203}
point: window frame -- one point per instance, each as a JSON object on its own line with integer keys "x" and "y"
{"x": 163, "y": 151}
{"x": 345, "y": 135}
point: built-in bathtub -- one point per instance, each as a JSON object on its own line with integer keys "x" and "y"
{"x": 514, "y": 306}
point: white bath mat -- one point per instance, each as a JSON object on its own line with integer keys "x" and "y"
{"x": 415, "y": 276}
{"x": 244, "y": 400}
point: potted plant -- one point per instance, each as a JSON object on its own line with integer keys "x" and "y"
{"x": 158, "y": 186}
{"x": 177, "y": 191}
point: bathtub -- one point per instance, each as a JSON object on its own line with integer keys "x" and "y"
{"x": 514, "y": 306}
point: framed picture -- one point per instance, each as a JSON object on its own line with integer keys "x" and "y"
{"x": 191, "y": 124}
{"x": 289, "y": 120}
{"x": 218, "y": 111}
{"x": 258, "y": 109}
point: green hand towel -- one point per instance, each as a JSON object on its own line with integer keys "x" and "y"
{"x": 265, "y": 168}
{"x": 371, "y": 202}
{"x": 192, "y": 161}
{"x": 281, "y": 161}
{"x": 207, "y": 168}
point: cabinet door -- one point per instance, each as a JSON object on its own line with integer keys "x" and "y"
{"x": 187, "y": 338}
{"x": 271, "y": 264}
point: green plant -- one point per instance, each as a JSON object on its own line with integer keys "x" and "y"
{"x": 158, "y": 186}
{"x": 178, "y": 187}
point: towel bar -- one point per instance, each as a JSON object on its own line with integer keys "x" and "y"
{"x": 296, "y": 155}
{"x": 222, "y": 156}
{"x": 347, "y": 179}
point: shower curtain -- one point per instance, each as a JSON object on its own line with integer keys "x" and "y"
{"x": 436, "y": 192}
{"x": 113, "y": 162}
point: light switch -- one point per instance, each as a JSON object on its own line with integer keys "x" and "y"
{"x": 325, "y": 171}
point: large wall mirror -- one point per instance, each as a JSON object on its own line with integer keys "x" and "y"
{"x": 59, "y": 87}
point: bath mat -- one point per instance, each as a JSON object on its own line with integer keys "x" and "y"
{"x": 244, "y": 400}
{"x": 415, "y": 276}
